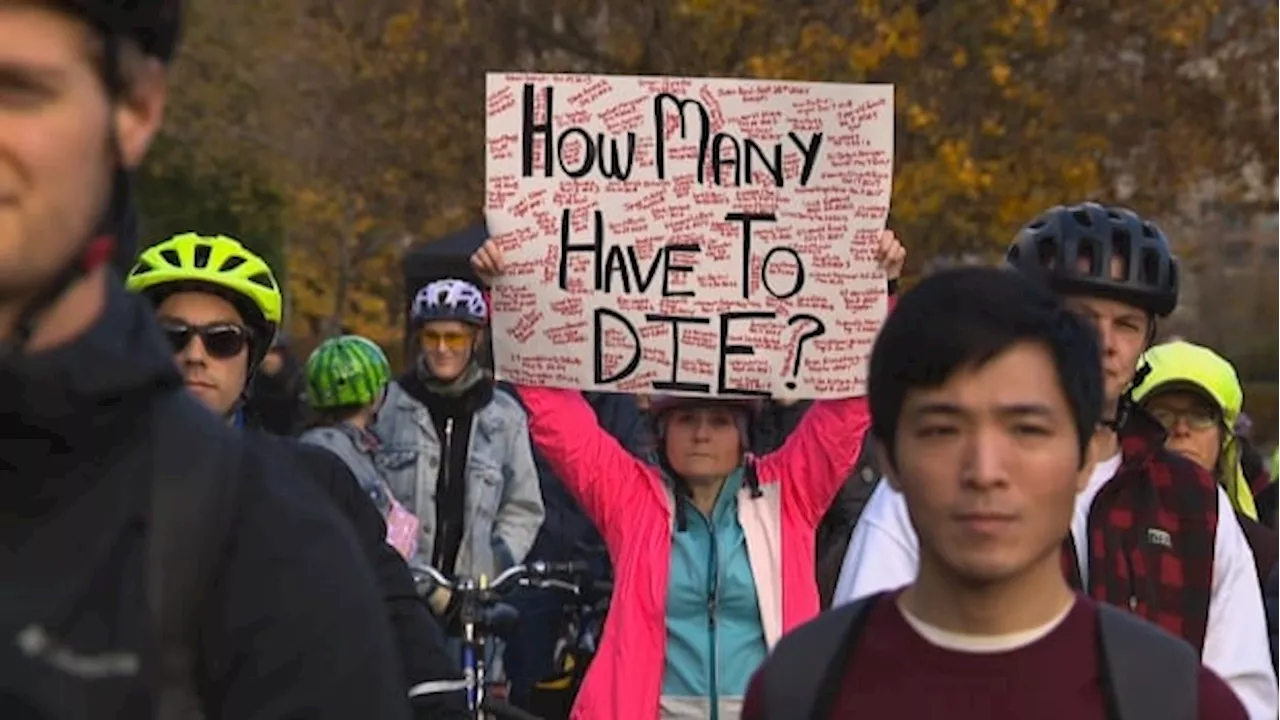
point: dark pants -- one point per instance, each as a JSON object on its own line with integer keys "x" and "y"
{"x": 528, "y": 655}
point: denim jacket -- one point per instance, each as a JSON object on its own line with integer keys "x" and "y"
{"x": 345, "y": 442}
{"x": 503, "y": 501}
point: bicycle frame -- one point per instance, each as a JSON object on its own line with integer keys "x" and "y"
{"x": 473, "y": 597}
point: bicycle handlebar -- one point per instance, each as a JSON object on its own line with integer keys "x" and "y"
{"x": 545, "y": 574}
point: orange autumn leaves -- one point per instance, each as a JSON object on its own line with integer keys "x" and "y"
{"x": 366, "y": 117}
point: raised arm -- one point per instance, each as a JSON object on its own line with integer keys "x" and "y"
{"x": 819, "y": 454}
{"x": 603, "y": 477}
{"x": 817, "y": 457}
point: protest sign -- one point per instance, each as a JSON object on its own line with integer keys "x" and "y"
{"x": 688, "y": 236}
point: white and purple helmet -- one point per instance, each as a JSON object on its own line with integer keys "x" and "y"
{"x": 450, "y": 299}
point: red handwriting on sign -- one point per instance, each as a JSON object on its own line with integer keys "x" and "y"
{"x": 568, "y": 306}
{"x": 626, "y": 116}
{"x": 575, "y": 332}
{"x": 500, "y": 102}
{"x": 616, "y": 212}
{"x": 527, "y": 326}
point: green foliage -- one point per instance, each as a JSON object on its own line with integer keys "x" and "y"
{"x": 174, "y": 198}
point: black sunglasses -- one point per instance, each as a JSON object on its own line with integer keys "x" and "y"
{"x": 221, "y": 340}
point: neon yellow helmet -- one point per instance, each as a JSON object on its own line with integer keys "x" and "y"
{"x": 1184, "y": 365}
{"x": 1198, "y": 368}
{"x": 216, "y": 263}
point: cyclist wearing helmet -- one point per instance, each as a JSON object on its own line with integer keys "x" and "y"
{"x": 347, "y": 379}
{"x": 98, "y": 618}
{"x": 1195, "y": 395}
{"x": 219, "y": 305}
{"x": 455, "y": 449}
{"x": 1153, "y": 531}
{"x": 213, "y": 288}
{"x": 712, "y": 548}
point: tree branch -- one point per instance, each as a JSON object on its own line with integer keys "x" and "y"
{"x": 574, "y": 44}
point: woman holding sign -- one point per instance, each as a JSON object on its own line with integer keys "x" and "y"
{"x": 712, "y": 549}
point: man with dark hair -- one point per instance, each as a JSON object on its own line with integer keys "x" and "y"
{"x": 984, "y": 396}
{"x": 116, "y": 602}
{"x": 1152, "y": 532}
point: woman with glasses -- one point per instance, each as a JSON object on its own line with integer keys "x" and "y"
{"x": 1195, "y": 394}
{"x": 455, "y": 449}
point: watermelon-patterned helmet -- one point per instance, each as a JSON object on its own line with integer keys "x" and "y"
{"x": 346, "y": 371}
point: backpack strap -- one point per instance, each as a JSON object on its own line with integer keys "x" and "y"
{"x": 1148, "y": 674}
{"x": 793, "y": 681}
{"x": 195, "y": 468}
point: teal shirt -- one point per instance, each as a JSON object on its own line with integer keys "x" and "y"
{"x": 715, "y": 638}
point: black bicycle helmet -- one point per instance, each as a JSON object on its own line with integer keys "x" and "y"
{"x": 1073, "y": 247}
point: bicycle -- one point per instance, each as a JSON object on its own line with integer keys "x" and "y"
{"x": 482, "y": 616}
{"x": 583, "y": 620}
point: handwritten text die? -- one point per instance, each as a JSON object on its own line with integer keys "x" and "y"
{"x": 695, "y": 233}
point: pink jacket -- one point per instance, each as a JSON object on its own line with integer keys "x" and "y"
{"x": 633, "y": 509}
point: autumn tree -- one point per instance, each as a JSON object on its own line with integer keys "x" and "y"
{"x": 227, "y": 198}
{"x": 1003, "y": 108}
{"x": 366, "y": 116}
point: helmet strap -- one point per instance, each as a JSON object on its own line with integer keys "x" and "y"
{"x": 96, "y": 252}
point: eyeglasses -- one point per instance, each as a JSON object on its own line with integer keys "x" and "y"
{"x": 449, "y": 340}
{"x": 1195, "y": 418}
{"x": 221, "y": 340}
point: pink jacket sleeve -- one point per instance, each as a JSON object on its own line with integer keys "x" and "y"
{"x": 603, "y": 477}
{"x": 818, "y": 456}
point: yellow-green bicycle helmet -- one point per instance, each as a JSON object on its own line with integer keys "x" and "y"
{"x": 220, "y": 264}
{"x": 1184, "y": 365}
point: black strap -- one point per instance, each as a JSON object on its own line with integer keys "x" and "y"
{"x": 1148, "y": 673}
{"x": 802, "y": 676}
{"x": 194, "y": 472}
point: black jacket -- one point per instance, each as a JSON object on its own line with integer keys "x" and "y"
{"x": 1271, "y": 600}
{"x": 424, "y": 657}
{"x": 278, "y": 402}
{"x": 567, "y": 533}
{"x": 292, "y": 625}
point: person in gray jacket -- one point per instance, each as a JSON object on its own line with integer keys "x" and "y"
{"x": 347, "y": 379}
{"x": 455, "y": 450}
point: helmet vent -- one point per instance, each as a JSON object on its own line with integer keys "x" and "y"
{"x": 231, "y": 263}
{"x": 1120, "y": 248}
{"x": 1047, "y": 252}
{"x": 1150, "y": 267}
{"x": 171, "y": 256}
{"x": 1087, "y": 258}
{"x": 1082, "y": 217}
{"x": 202, "y": 252}
{"x": 263, "y": 279}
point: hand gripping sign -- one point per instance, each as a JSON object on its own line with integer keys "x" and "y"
{"x": 687, "y": 236}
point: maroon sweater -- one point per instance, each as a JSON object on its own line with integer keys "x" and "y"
{"x": 895, "y": 673}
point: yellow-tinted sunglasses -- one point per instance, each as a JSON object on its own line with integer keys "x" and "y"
{"x": 448, "y": 340}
